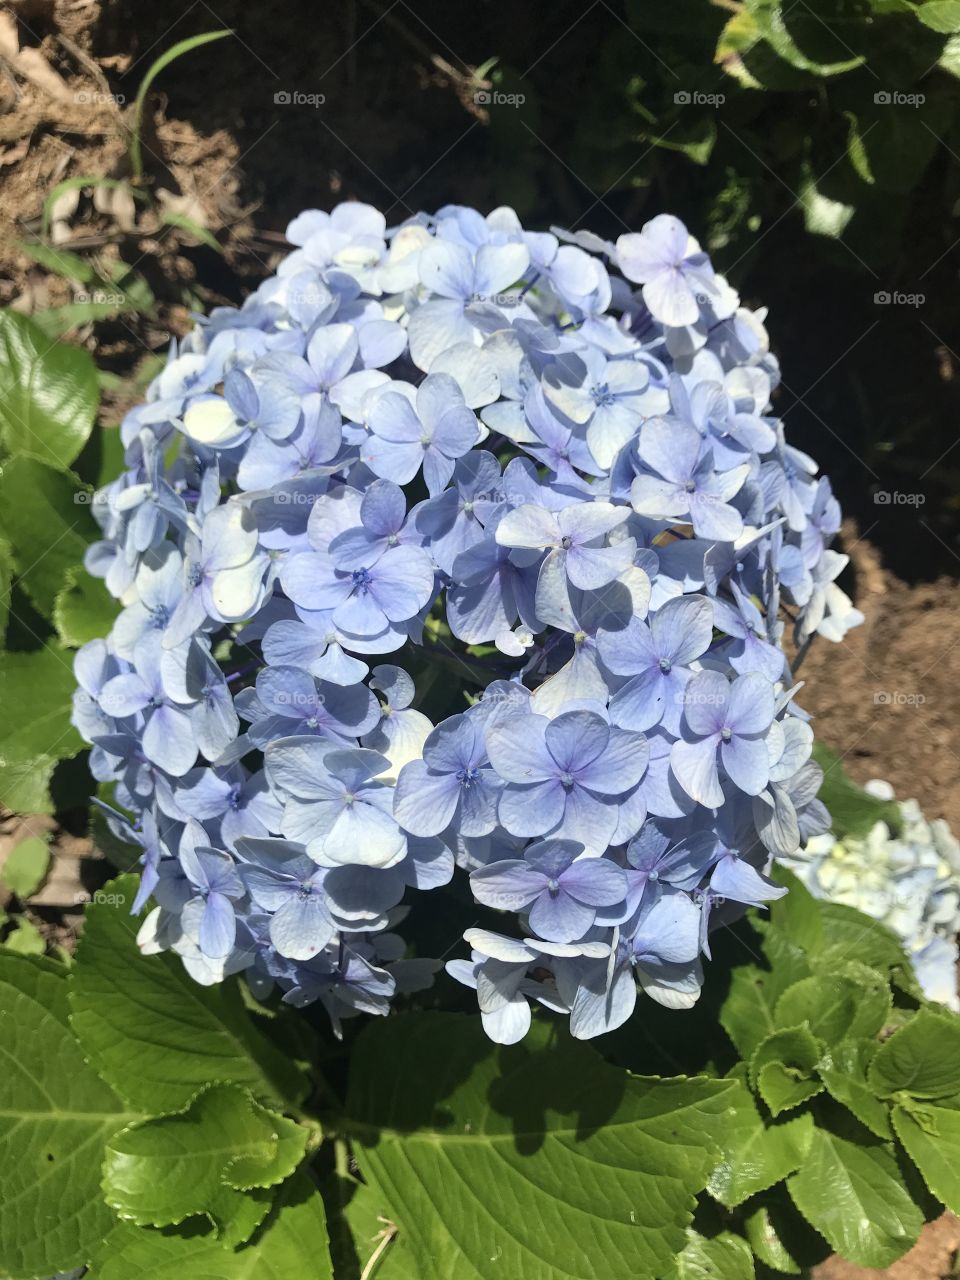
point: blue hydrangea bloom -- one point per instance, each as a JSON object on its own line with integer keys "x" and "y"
{"x": 541, "y": 472}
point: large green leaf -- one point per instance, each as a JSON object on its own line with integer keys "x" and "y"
{"x": 720, "y": 1257}
{"x": 48, "y": 393}
{"x": 35, "y": 730}
{"x": 537, "y": 1160}
{"x": 836, "y": 1006}
{"x": 155, "y": 1034}
{"x": 747, "y": 1011}
{"x": 55, "y": 1116}
{"x": 83, "y": 608}
{"x": 201, "y": 1160}
{"x": 46, "y": 516}
{"x": 922, "y": 1058}
{"x": 942, "y": 16}
{"x": 853, "y": 811}
{"x": 291, "y": 1245}
{"x": 855, "y": 1197}
{"x": 756, "y": 1155}
{"x": 931, "y": 1137}
{"x": 844, "y": 1074}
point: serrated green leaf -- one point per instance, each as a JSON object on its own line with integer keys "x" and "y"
{"x": 720, "y": 1257}
{"x": 922, "y": 1058}
{"x": 782, "y": 1067}
{"x": 942, "y": 16}
{"x": 855, "y": 1197}
{"x": 844, "y": 1074}
{"x": 35, "y": 731}
{"x": 201, "y": 1161}
{"x": 127, "y": 1008}
{"x": 291, "y": 1244}
{"x": 83, "y": 609}
{"x": 783, "y": 1088}
{"x": 48, "y": 393}
{"x": 756, "y": 1155}
{"x": 765, "y": 1242}
{"x": 26, "y": 865}
{"x": 46, "y": 516}
{"x": 931, "y": 1138}
{"x": 837, "y": 1006}
{"x": 850, "y": 935}
{"x": 747, "y": 1012}
{"x": 55, "y": 1116}
{"x": 500, "y": 1160}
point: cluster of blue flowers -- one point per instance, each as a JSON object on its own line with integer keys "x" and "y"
{"x": 599, "y": 521}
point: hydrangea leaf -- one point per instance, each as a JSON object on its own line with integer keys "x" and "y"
{"x": 922, "y": 1058}
{"x": 200, "y": 1160}
{"x": 765, "y": 1242}
{"x": 844, "y": 1075}
{"x": 56, "y": 1116}
{"x": 791, "y": 1046}
{"x": 361, "y": 1230}
{"x": 783, "y": 1088}
{"x": 83, "y": 609}
{"x": 46, "y": 516}
{"x": 796, "y": 915}
{"x": 853, "y": 811}
{"x": 291, "y": 1242}
{"x": 35, "y": 731}
{"x": 837, "y": 1006}
{"x": 756, "y": 1155}
{"x": 546, "y": 1131}
{"x": 850, "y": 935}
{"x": 26, "y": 865}
{"x": 48, "y": 393}
{"x": 942, "y": 16}
{"x": 6, "y": 585}
{"x": 747, "y": 1012}
{"x": 855, "y": 1197}
{"x": 707, "y": 1257}
{"x": 153, "y": 1032}
{"x": 931, "y": 1138}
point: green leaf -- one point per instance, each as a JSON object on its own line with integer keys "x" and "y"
{"x": 48, "y": 393}
{"x": 720, "y": 1257}
{"x": 837, "y": 1006}
{"x": 853, "y": 811}
{"x": 46, "y": 516}
{"x": 55, "y": 1116}
{"x": 26, "y": 865}
{"x": 291, "y": 1244}
{"x": 201, "y": 1161}
{"x": 770, "y": 19}
{"x": 782, "y": 1066}
{"x": 844, "y": 1074}
{"x": 499, "y": 1161}
{"x": 922, "y": 1058}
{"x": 361, "y": 1230}
{"x": 35, "y": 730}
{"x": 940, "y": 15}
{"x": 950, "y": 57}
{"x": 756, "y": 1155}
{"x": 765, "y": 1242}
{"x": 747, "y": 1012}
{"x": 855, "y": 1197}
{"x": 83, "y": 609}
{"x": 850, "y": 935}
{"x": 25, "y": 939}
{"x": 6, "y": 586}
{"x": 931, "y": 1138}
{"x": 155, "y": 1034}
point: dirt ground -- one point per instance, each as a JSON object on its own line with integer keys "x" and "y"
{"x": 887, "y": 699}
